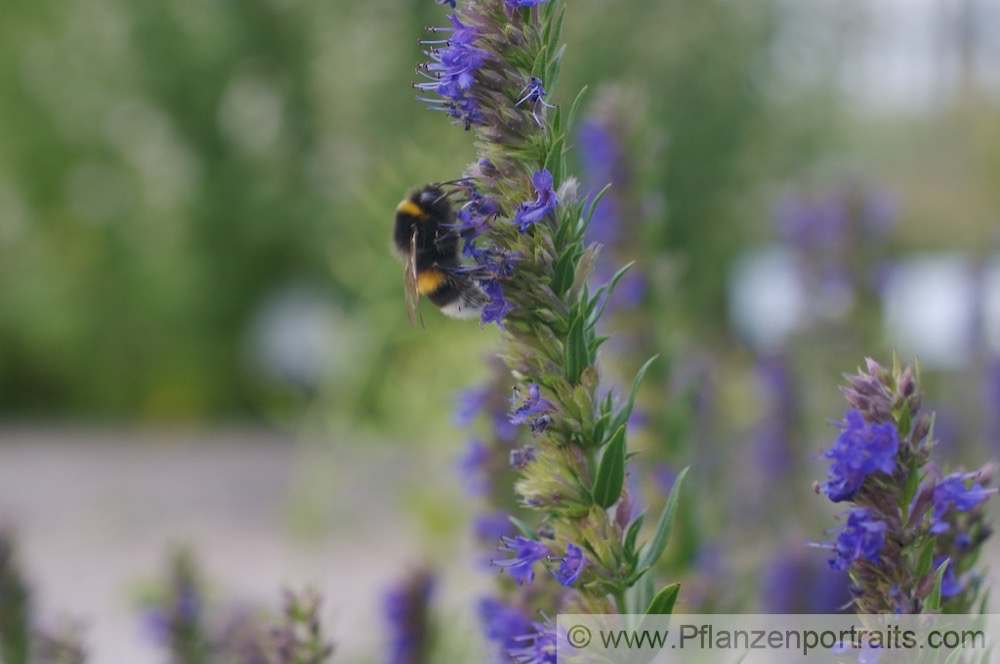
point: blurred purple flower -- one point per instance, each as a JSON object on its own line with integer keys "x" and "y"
{"x": 539, "y": 646}
{"x": 798, "y": 583}
{"x": 493, "y": 525}
{"x": 502, "y": 623}
{"x": 469, "y": 403}
{"x": 860, "y": 450}
{"x": 521, "y": 457}
{"x": 473, "y": 465}
{"x": 861, "y": 538}
{"x": 406, "y": 611}
{"x": 533, "y": 410}
{"x": 952, "y": 492}
{"x": 811, "y": 224}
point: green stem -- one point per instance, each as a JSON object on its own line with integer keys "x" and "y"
{"x": 619, "y": 596}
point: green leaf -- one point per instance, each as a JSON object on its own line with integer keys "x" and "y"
{"x": 553, "y": 35}
{"x": 522, "y": 527}
{"x": 663, "y": 603}
{"x": 639, "y": 596}
{"x": 593, "y": 345}
{"x": 554, "y": 160}
{"x": 926, "y": 559}
{"x": 954, "y": 657}
{"x": 933, "y": 602}
{"x": 582, "y": 229}
{"x": 564, "y": 270}
{"x": 622, "y": 416}
{"x": 555, "y": 66}
{"x": 910, "y": 488}
{"x": 556, "y": 123}
{"x": 574, "y": 108}
{"x": 540, "y": 63}
{"x": 654, "y": 549}
{"x": 632, "y": 533}
{"x": 607, "y": 290}
{"x": 576, "y": 351}
{"x": 600, "y": 427}
{"x": 611, "y": 473}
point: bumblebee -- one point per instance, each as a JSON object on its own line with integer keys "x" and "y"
{"x": 425, "y": 239}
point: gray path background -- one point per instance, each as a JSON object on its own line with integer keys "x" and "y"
{"x": 96, "y": 514}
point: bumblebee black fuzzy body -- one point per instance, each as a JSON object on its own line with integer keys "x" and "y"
{"x": 425, "y": 239}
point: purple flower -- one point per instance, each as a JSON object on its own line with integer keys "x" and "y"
{"x": 811, "y": 223}
{"x": 521, "y": 457}
{"x": 493, "y": 525}
{"x": 406, "y": 612}
{"x": 529, "y": 214}
{"x": 526, "y": 553}
{"x": 571, "y": 566}
{"x": 533, "y": 93}
{"x": 472, "y": 466}
{"x": 602, "y": 160}
{"x": 497, "y": 307}
{"x": 523, "y": 3}
{"x": 533, "y": 410}
{"x": 469, "y": 403}
{"x": 502, "y": 623}
{"x": 860, "y": 450}
{"x": 180, "y": 614}
{"x": 952, "y": 492}
{"x": 539, "y": 648}
{"x": 794, "y": 582}
{"x": 861, "y": 538}
{"x": 499, "y": 263}
{"x": 451, "y": 72}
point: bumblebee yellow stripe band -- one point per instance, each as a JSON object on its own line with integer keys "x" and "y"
{"x": 411, "y": 208}
{"x": 429, "y": 281}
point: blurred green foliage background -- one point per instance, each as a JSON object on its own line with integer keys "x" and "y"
{"x": 195, "y": 197}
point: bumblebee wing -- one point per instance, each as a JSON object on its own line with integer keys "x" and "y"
{"x": 410, "y": 282}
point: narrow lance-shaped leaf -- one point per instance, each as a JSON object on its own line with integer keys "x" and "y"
{"x": 654, "y": 549}
{"x": 611, "y": 472}
{"x": 934, "y": 600}
{"x": 576, "y": 351}
{"x": 626, "y": 412}
{"x": 603, "y": 295}
{"x": 574, "y": 108}
{"x": 632, "y": 533}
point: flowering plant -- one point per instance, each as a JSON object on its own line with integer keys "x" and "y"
{"x": 525, "y": 226}
{"x": 912, "y": 537}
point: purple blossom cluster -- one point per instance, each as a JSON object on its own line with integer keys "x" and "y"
{"x": 451, "y": 72}
{"x": 860, "y": 450}
{"x": 904, "y": 508}
{"x": 861, "y": 538}
{"x": 953, "y": 495}
{"x": 533, "y": 410}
